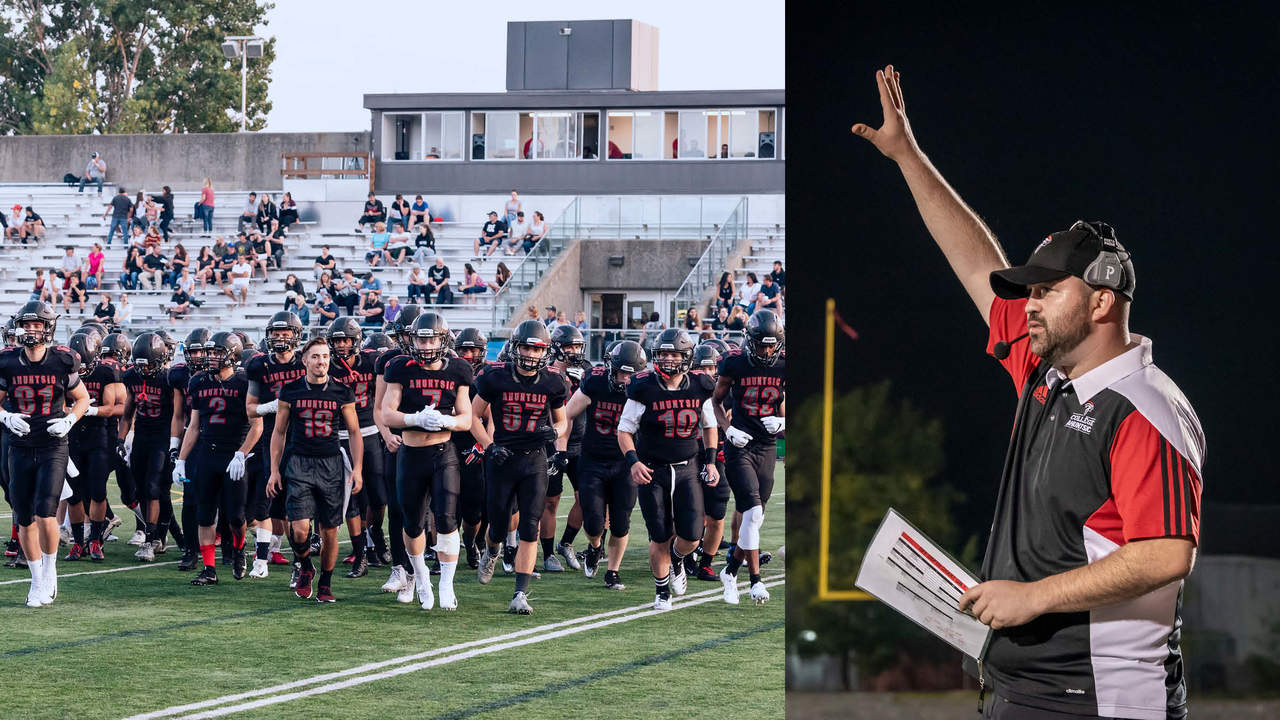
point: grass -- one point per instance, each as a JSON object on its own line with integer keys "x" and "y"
{"x": 136, "y": 641}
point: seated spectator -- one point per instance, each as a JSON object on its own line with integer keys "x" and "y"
{"x": 288, "y": 211}
{"x": 721, "y": 319}
{"x": 267, "y": 212}
{"x": 187, "y": 283}
{"x": 70, "y": 263}
{"x": 519, "y": 229}
{"x": 11, "y": 232}
{"x": 32, "y": 226}
{"x": 692, "y": 322}
{"x": 651, "y": 331}
{"x": 40, "y": 289}
{"x": 737, "y": 321}
{"x": 138, "y": 211}
{"x": 769, "y": 297}
{"x": 124, "y": 312}
{"x": 615, "y": 152}
{"x": 538, "y": 229}
{"x": 750, "y": 289}
{"x": 562, "y": 318}
{"x": 275, "y": 243}
{"x": 424, "y": 244}
{"x": 371, "y": 311}
{"x": 325, "y": 283}
{"x": 398, "y": 213}
{"x": 220, "y": 248}
{"x": 491, "y": 234}
{"x": 118, "y": 209}
{"x": 293, "y": 285}
{"x": 325, "y": 263}
{"x": 177, "y": 264}
{"x": 132, "y": 269}
{"x": 258, "y": 251}
{"x": 370, "y": 286}
{"x": 397, "y": 248}
{"x": 392, "y": 309}
{"x": 205, "y": 266}
{"x": 137, "y": 239}
{"x": 104, "y": 312}
{"x": 417, "y": 283}
{"x": 73, "y": 292}
{"x": 779, "y": 276}
{"x": 326, "y": 310}
{"x": 378, "y": 241}
{"x": 222, "y": 271}
{"x": 472, "y": 283}
{"x": 153, "y": 238}
{"x": 152, "y": 212}
{"x": 501, "y": 277}
{"x": 348, "y": 291}
{"x": 94, "y": 172}
{"x": 179, "y": 305}
{"x": 580, "y": 321}
{"x": 298, "y": 305}
{"x": 95, "y": 268}
{"x": 419, "y": 212}
{"x": 373, "y": 213}
{"x": 248, "y": 213}
{"x": 241, "y": 272}
{"x": 438, "y": 282}
{"x": 725, "y": 292}
{"x": 154, "y": 266}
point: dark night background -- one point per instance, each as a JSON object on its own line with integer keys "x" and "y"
{"x": 1163, "y": 125}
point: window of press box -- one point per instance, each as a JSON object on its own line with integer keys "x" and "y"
{"x": 422, "y": 136}
{"x": 542, "y": 135}
{"x": 734, "y": 133}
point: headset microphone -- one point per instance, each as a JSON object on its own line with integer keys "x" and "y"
{"x": 1001, "y": 349}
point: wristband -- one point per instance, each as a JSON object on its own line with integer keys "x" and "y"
{"x": 632, "y": 457}
{"x": 708, "y": 456}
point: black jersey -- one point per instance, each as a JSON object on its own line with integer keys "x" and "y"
{"x": 270, "y": 375}
{"x": 315, "y": 415}
{"x": 421, "y": 387}
{"x": 38, "y": 389}
{"x": 357, "y": 373}
{"x": 380, "y": 370}
{"x": 152, "y": 404}
{"x": 757, "y": 391}
{"x": 221, "y": 404}
{"x": 578, "y": 428}
{"x": 521, "y": 404}
{"x": 601, "y": 416}
{"x": 463, "y": 439}
{"x": 179, "y": 378}
{"x": 668, "y": 431}
{"x": 91, "y": 432}
{"x": 113, "y": 422}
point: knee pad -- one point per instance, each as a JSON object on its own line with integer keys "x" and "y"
{"x": 448, "y": 544}
{"x": 749, "y": 532}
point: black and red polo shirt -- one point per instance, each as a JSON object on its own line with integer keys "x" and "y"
{"x": 1110, "y": 457}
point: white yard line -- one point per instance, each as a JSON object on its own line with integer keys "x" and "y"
{"x": 442, "y": 655}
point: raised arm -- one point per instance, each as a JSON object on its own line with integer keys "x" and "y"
{"x": 966, "y": 241}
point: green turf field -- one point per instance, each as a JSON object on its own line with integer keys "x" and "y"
{"x": 142, "y": 642}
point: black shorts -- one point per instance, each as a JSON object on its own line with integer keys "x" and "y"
{"x": 36, "y": 475}
{"x": 125, "y": 479}
{"x": 427, "y": 480}
{"x": 715, "y": 499}
{"x": 262, "y": 507}
{"x": 4, "y": 467}
{"x": 520, "y": 482}
{"x": 94, "y": 466}
{"x": 153, "y": 476}
{"x": 750, "y": 472}
{"x": 606, "y": 484}
{"x": 471, "y": 503}
{"x": 315, "y": 488}
{"x": 217, "y": 493}
{"x": 372, "y": 475}
{"x": 672, "y": 503}
{"x": 555, "y": 485}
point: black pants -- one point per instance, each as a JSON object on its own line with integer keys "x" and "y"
{"x": 153, "y": 477}
{"x": 36, "y": 475}
{"x": 672, "y": 503}
{"x": 427, "y": 480}
{"x": 348, "y": 301}
{"x": 1000, "y": 707}
{"x": 191, "y": 504}
{"x": 373, "y": 484}
{"x": 125, "y": 479}
{"x": 715, "y": 499}
{"x": 94, "y": 466}
{"x": 216, "y": 491}
{"x": 750, "y": 471}
{"x": 521, "y": 480}
{"x": 262, "y": 507}
{"x": 4, "y": 467}
{"x": 471, "y": 498}
{"x": 395, "y": 515}
{"x": 606, "y": 484}
{"x": 555, "y": 485}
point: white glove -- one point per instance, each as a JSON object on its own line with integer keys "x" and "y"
{"x": 774, "y": 424}
{"x": 61, "y": 426}
{"x": 268, "y": 408}
{"x": 17, "y": 423}
{"x": 93, "y": 409}
{"x": 72, "y": 470}
{"x": 128, "y": 444}
{"x": 737, "y": 437}
{"x": 179, "y": 472}
{"x": 428, "y": 418}
{"x": 235, "y": 468}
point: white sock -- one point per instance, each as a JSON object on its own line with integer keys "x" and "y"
{"x": 419, "y": 565}
{"x": 50, "y": 563}
{"x": 37, "y": 570}
{"x": 513, "y": 539}
{"x": 446, "y": 573}
{"x": 262, "y": 535}
{"x": 275, "y": 543}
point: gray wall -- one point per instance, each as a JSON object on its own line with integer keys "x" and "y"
{"x": 588, "y": 177}
{"x": 597, "y": 55}
{"x": 231, "y": 160}
{"x": 647, "y": 264}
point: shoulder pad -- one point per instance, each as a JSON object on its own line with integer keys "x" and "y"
{"x": 643, "y": 374}
{"x": 63, "y": 348}
{"x": 599, "y": 370}
{"x": 553, "y": 370}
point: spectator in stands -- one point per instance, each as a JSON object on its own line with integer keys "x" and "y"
{"x": 392, "y": 309}
{"x": 297, "y": 304}
{"x": 166, "y": 210}
{"x": 326, "y": 309}
{"x": 258, "y": 251}
{"x": 580, "y": 320}
{"x": 204, "y": 266}
{"x": 95, "y": 171}
{"x": 248, "y": 213}
{"x": 750, "y": 289}
{"x": 104, "y": 312}
{"x": 472, "y": 283}
{"x": 769, "y": 297}
{"x": 187, "y": 282}
{"x": 419, "y": 212}
{"x": 779, "y": 276}
{"x": 370, "y": 286}
{"x": 275, "y": 243}
{"x": 73, "y": 292}
{"x": 501, "y": 277}
{"x": 131, "y": 270}
{"x": 325, "y": 262}
{"x": 531, "y": 312}
{"x": 438, "y": 282}
{"x": 417, "y": 283}
{"x": 118, "y": 209}
{"x": 32, "y": 226}
{"x": 293, "y": 285}
{"x": 550, "y": 319}
{"x": 124, "y": 312}
{"x": 398, "y": 213}
{"x": 178, "y": 264}
{"x": 519, "y": 229}
{"x": 179, "y": 305}
{"x": 10, "y": 231}
{"x": 721, "y": 319}
{"x": 348, "y": 290}
{"x": 373, "y": 213}
{"x": 153, "y": 238}
{"x": 154, "y": 266}
{"x": 538, "y": 229}
{"x": 95, "y": 268}
{"x": 562, "y": 318}
{"x": 205, "y": 206}
{"x": 652, "y": 329}
{"x": 241, "y": 272}
{"x": 152, "y": 212}
{"x": 371, "y": 311}
{"x": 137, "y": 239}
{"x": 513, "y": 208}
{"x": 325, "y": 283}
{"x": 138, "y": 211}
{"x": 725, "y": 292}
{"x": 70, "y": 263}
{"x": 242, "y": 247}
{"x": 491, "y": 234}
{"x": 40, "y": 289}
{"x": 378, "y": 241}
{"x": 288, "y": 211}
{"x": 221, "y": 248}
{"x": 397, "y": 247}
{"x": 424, "y": 242}
{"x": 692, "y": 322}
{"x": 267, "y": 212}
{"x": 737, "y": 321}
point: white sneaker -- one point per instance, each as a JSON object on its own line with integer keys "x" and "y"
{"x": 35, "y": 595}
{"x": 679, "y": 580}
{"x": 661, "y": 603}
{"x": 448, "y": 601}
{"x": 406, "y": 593}
{"x": 138, "y": 538}
{"x": 520, "y": 605}
{"x": 259, "y": 569}
{"x": 759, "y": 593}
{"x": 730, "y": 587}
{"x": 425, "y": 594}
{"x": 565, "y": 551}
{"x": 112, "y": 524}
{"x": 394, "y": 583}
{"x": 146, "y": 553}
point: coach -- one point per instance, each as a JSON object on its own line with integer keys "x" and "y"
{"x": 1098, "y": 513}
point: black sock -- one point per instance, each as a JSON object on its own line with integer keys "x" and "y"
{"x": 570, "y": 532}
{"x": 97, "y": 529}
{"x": 326, "y": 578}
{"x": 151, "y": 531}
{"x": 110, "y": 515}
{"x": 705, "y": 558}
{"x": 77, "y": 532}
{"x": 468, "y": 538}
{"x": 734, "y": 563}
{"x": 522, "y": 581}
{"x": 604, "y": 538}
{"x": 661, "y": 585}
{"x": 379, "y": 540}
{"x": 301, "y": 552}
{"x": 547, "y": 546}
{"x": 357, "y": 547}
{"x": 262, "y": 550}
{"x": 755, "y": 578}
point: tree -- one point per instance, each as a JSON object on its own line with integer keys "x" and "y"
{"x": 69, "y": 99}
{"x": 885, "y": 453}
{"x": 152, "y": 67}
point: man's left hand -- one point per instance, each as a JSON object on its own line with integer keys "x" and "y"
{"x": 1003, "y": 603}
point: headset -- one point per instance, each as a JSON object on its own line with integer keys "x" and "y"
{"x": 1108, "y": 269}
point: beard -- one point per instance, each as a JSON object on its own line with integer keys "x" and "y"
{"x": 1060, "y": 337}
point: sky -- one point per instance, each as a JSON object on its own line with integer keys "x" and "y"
{"x": 414, "y": 46}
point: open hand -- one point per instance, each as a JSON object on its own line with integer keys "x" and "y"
{"x": 894, "y": 138}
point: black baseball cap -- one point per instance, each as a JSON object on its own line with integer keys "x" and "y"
{"x": 1065, "y": 253}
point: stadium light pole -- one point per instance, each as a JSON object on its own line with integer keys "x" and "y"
{"x": 243, "y": 47}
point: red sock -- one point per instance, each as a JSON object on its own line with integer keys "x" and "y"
{"x": 237, "y": 539}
{"x": 13, "y": 534}
{"x": 206, "y": 554}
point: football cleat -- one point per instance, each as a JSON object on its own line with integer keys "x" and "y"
{"x": 76, "y": 552}
{"x": 325, "y": 595}
{"x": 207, "y": 576}
{"x": 237, "y": 563}
{"x": 35, "y": 595}
{"x": 488, "y": 560}
{"x": 259, "y": 568}
{"x": 590, "y": 561}
{"x": 139, "y": 537}
{"x": 146, "y": 553}
{"x": 765, "y": 557}
{"x": 706, "y": 572}
{"x": 405, "y": 594}
{"x": 11, "y": 548}
{"x": 730, "y": 583}
{"x": 160, "y": 547}
{"x": 315, "y": 544}
{"x": 303, "y": 588}
{"x": 359, "y": 568}
{"x": 112, "y": 524}
{"x": 473, "y": 557}
{"x": 293, "y": 579}
{"x": 448, "y": 600}
{"x": 425, "y": 595}
{"x": 679, "y": 581}
{"x": 662, "y": 603}
{"x": 95, "y": 551}
{"x": 278, "y": 559}
{"x": 551, "y": 563}
{"x": 613, "y": 580}
{"x": 520, "y": 605}
{"x": 396, "y": 581}
{"x": 690, "y": 564}
{"x": 372, "y": 557}
{"x": 508, "y": 559}
{"x": 64, "y": 536}
{"x": 18, "y": 560}
{"x": 188, "y": 560}
{"x": 348, "y": 559}
{"x": 565, "y": 551}
{"x": 759, "y": 593}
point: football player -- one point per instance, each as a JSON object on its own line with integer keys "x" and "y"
{"x": 352, "y": 365}
{"x": 471, "y": 345}
{"x": 715, "y": 498}
{"x": 177, "y": 379}
{"x": 401, "y": 581}
{"x": 569, "y": 358}
{"x": 89, "y": 444}
{"x": 147, "y": 418}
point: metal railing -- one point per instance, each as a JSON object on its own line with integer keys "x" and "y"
{"x": 714, "y": 261}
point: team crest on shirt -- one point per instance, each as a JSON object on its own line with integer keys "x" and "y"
{"x": 1041, "y": 393}
{"x": 1081, "y": 421}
